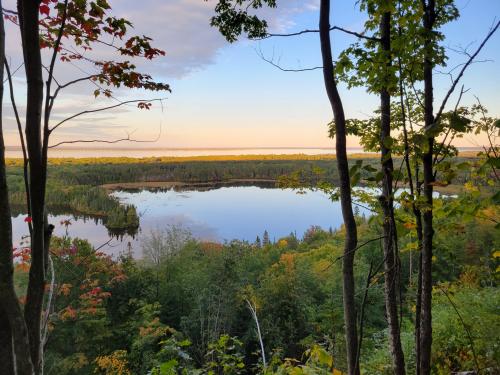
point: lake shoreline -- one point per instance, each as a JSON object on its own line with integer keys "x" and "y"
{"x": 145, "y": 185}
{"x": 13, "y": 161}
{"x": 162, "y": 185}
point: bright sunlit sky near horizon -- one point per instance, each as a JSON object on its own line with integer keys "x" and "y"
{"x": 225, "y": 95}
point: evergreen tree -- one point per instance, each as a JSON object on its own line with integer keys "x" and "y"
{"x": 265, "y": 239}
{"x": 257, "y": 242}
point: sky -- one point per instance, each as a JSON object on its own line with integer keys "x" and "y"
{"x": 226, "y": 95}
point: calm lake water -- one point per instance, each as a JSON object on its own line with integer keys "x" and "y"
{"x": 225, "y": 213}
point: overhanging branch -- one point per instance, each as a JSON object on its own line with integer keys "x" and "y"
{"x": 310, "y": 31}
{"x": 103, "y": 109}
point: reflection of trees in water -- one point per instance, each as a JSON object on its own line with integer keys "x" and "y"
{"x": 204, "y": 186}
{"x": 62, "y": 210}
{"x": 119, "y": 234}
{"x": 217, "y": 185}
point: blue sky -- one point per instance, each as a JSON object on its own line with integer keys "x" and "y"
{"x": 227, "y": 96}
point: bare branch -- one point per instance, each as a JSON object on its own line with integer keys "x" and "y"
{"x": 353, "y": 251}
{"x": 14, "y": 72}
{"x": 309, "y": 31}
{"x": 12, "y": 12}
{"x": 278, "y": 66}
{"x": 103, "y": 109}
{"x": 49, "y": 100}
{"x": 462, "y": 71}
{"x": 441, "y": 146}
{"x": 128, "y": 138}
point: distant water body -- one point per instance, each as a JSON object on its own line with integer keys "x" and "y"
{"x": 15, "y": 152}
{"x": 212, "y": 214}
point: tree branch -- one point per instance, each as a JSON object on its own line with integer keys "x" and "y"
{"x": 462, "y": 71}
{"x": 49, "y": 100}
{"x": 309, "y": 31}
{"x": 128, "y": 138}
{"x": 102, "y": 109}
{"x": 353, "y": 251}
{"x": 278, "y": 66}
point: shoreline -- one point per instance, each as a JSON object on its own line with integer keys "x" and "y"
{"x": 145, "y": 185}
{"x": 211, "y": 158}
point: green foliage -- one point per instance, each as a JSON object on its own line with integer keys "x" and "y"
{"x": 224, "y": 357}
{"x": 186, "y": 314}
{"x": 453, "y": 350}
{"x": 233, "y": 18}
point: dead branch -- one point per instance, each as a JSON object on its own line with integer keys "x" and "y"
{"x": 277, "y": 65}
{"x": 128, "y": 138}
{"x": 460, "y": 75}
{"x": 103, "y": 109}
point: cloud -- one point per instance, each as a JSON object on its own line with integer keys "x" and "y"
{"x": 182, "y": 28}
{"x": 179, "y": 27}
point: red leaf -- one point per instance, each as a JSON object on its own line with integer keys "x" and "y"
{"x": 44, "y": 9}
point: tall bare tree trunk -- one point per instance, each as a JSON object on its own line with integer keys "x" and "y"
{"x": 427, "y": 225}
{"x": 29, "y": 23}
{"x": 14, "y": 351}
{"x": 391, "y": 264}
{"x": 345, "y": 190}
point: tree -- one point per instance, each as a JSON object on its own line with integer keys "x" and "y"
{"x": 57, "y": 25}
{"x": 232, "y": 19}
{"x": 161, "y": 245}
{"x": 265, "y": 239}
{"x": 258, "y": 243}
{"x": 373, "y": 68}
{"x": 434, "y": 14}
{"x": 14, "y": 335}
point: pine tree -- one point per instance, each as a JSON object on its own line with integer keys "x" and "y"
{"x": 257, "y": 242}
{"x": 265, "y": 239}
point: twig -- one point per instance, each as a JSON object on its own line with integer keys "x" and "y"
{"x": 278, "y": 66}
{"x": 103, "y": 109}
{"x": 352, "y": 251}
{"x": 126, "y": 139}
{"x": 462, "y": 71}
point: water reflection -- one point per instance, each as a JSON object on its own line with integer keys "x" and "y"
{"x": 211, "y": 212}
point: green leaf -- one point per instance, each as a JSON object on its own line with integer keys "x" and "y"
{"x": 369, "y": 168}
{"x": 494, "y": 162}
{"x": 496, "y": 198}
{"x": 463, "y": 166}
{"x": 355, "y": 179}
{"x": 388, "y": 142}
{"x": 459, "y": 123}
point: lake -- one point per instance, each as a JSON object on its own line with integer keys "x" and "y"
{"x": 215, "y": 214}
